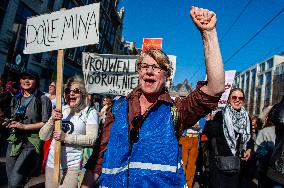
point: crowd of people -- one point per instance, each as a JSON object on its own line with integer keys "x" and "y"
{"x": 146, "y": 139}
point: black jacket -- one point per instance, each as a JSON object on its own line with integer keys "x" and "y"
{"x": 214, "y": 128}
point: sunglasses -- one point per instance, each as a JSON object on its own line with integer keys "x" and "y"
{"x": 67, "y": 91}
{"x": 239, "y": 98}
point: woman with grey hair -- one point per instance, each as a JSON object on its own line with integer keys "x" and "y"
{"x": 79, "y": 128}
{"x": 139, "y": 141}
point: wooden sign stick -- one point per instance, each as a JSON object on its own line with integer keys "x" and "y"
{"x": 59, "y": 81}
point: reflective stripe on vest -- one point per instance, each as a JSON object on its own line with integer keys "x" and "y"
{"x": 140, "y": 165}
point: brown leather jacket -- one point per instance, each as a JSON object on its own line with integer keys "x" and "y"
{"x": 190, "y": 110}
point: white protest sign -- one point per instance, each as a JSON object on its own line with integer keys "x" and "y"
{"x": 63, "y": 29}
{"x": 110, "y": 74}
{"x": 229, "y": 80}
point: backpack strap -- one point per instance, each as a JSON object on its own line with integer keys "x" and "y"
{"x": 38, "y": 100}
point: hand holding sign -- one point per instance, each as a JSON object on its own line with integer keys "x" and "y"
{"x": 203, "y": 18}
{"x": 57, "y": 31}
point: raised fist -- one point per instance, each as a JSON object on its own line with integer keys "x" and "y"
{"x": 203, "y": 18}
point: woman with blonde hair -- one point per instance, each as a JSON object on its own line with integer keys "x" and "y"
{"x": 79, "y": 128}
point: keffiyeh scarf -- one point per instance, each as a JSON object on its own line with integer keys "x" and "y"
{"x": 236, "y": 124}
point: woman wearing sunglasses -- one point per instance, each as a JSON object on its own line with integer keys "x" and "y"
{"x": 229, "y": 134}
{"x": 79, "y": 128}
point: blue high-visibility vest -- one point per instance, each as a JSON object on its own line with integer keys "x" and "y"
{"x": 155, "y": 159}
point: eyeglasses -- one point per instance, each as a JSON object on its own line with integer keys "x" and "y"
{"x": 239, "y": 98}
{"x": 67, "y": 91}
{"x": 145, "y": 67}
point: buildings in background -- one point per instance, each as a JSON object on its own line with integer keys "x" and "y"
{"x": 181, "y": 89}
{"x": 13, "y": 16}
{"x": 262, "y": 83}
{"x": 128, "y": 48}
{"x": 278, "y": 83}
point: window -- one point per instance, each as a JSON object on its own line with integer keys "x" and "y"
{"x": 105, "y": 32}
{"x": 23, "y": 12}
{"x": 71, "y": 53}
{"x": 106, "y": 4}
{"x": 108, "y": 32}
{"x": 79, "y": 54}
{"x": 262, "y": 67}
{"x": 253, "y": 74}
{"x": 268, "y": 77}
{"x": 270, "y": 63}
{"x": 50, "y": 5}
{"x": 102, "y": 44}
{"x": 112, "y": 36}
{"x": 105, "y": 50}
{"x": 69, "y": 4}
{"x": 247, "y": 80}
{"x": 3, "y": 7}
{"x": 267, "y": 95}
{"x": 260, "y": 80}
{"x": 16, "y": 44}
{"x": 102, "y": 23}
{"x": 279, "y": 69}
{"x": 243, "y": 81}
{"x": 85, "y": 2}
{"x": 258, "y": 99}
{"x": 237, "y": 82}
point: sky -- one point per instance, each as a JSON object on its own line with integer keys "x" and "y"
{"x": 170, "y": 20}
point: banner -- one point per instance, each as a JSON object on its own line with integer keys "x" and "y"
{"x": 152, "y": 43}
{"x": 111, "y": 74}
{"x": 229, "y": 80}
{"x": 63, "y": 29}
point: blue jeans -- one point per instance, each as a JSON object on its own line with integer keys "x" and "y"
{"x": 19, "y": 168}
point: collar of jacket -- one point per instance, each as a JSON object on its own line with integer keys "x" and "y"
{"x": 134, "y": 103}
{"x": 137, "y": 92}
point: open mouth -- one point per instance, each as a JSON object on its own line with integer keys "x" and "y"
{"x": 27, "y": 85}
{"x": 149, "y": 81}
{"x": 237, "y": 103}
{"x": 72, "y": 99}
